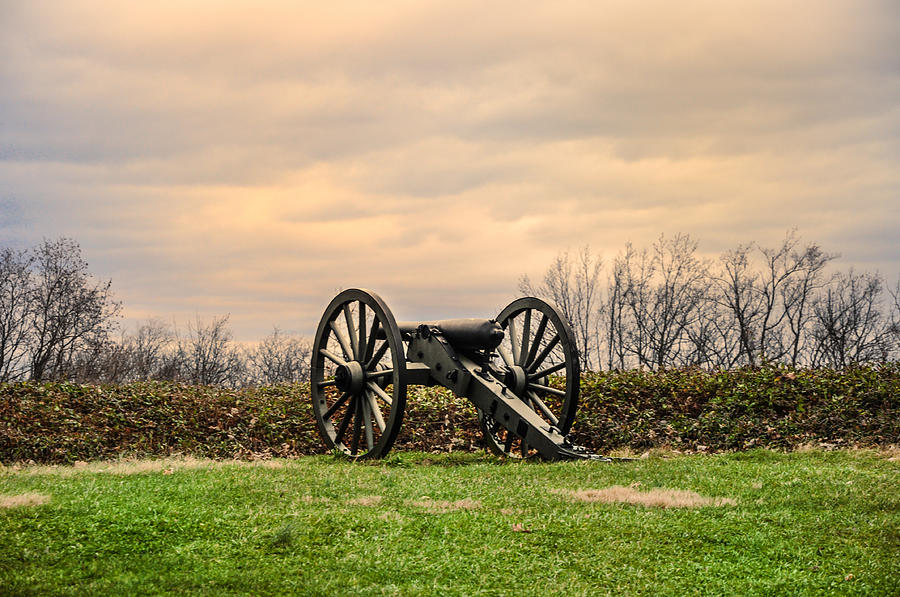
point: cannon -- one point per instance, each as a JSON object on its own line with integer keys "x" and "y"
{"x": 520, "y": 371}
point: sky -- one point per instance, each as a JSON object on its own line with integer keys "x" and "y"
{"x": 253, "y": 158}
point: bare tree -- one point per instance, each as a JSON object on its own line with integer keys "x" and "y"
{"x": 104, "y": 361}
{"x": 210, "y": 357}
{"x": 738, "y": 290}
{"x": 150, "y": 351}
{"x": 798, "y": 294}
{"x": 894, "y": 327}
{"x": 279, "y": 359}
{"x": 15, "y": 282}
{"x": 615, "y": 317}
{"x": 771, "y": 306}
{"x": 664, "y": 288}
{"x": 572, "y": 285}
{"x": 849, "y": 326}
{"x": 784, "y": 297}
{"x": 713, "y": 340}
{"x": 68, "y": 310}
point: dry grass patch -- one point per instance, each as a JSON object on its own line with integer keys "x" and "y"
{"x": 23, "y": 500}
{"x": 658, "y": 452}
{"x": 126, "y": 466}
{"x": 656, "y": 498}
{"x": 391, "y": 516}
{"x": 892, "y": 453}
{"x": 115, "y": 467}
{"x": 443, "y": 506}
{"x": 366, "y": 500}
{"x": 510, "y": 511}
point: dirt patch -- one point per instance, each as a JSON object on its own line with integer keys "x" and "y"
{"x": 443, "y": 506}
{"x": 23, "y": 500}
{"x": 656, "y": 498}
{"x": 366, "y": 500}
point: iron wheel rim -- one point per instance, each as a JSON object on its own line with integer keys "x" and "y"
{"x": 525, "y": 346}
{"x": 346, "y": 352}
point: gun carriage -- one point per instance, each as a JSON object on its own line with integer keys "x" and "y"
{"x": 520, "y": 371}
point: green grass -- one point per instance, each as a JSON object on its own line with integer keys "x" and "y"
{"x": 803, "y": 523}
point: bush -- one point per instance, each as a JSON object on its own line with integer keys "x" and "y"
{"x": 682, "y": 409}
{"x": 63, "y": 422}
{"x": 773, "y": 407}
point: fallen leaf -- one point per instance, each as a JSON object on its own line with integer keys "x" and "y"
{"x": 168, "y": 471}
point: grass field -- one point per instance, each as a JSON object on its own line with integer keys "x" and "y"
{"x": 755, "y": 522}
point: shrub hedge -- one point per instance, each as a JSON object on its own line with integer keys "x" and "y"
{"x": 691, "y": 410}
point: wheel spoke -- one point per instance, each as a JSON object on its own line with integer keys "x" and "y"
{"x": 514, "y": 339}
{"x": 361, "y": 345}
{"x": 526, "y": 330}
{"x": 351, "y": 330}
{"x": 332, "y": 357}
{"x": 509, "y": 441}
{"x": 538, "y": 336}
{"x": 546, "y": 371}
{"x": 342, "y": 428}
{"x": 378, "y": 355}
{"x": 540, "y": 358}
{"x": 381, "y": 393}
{"x": 370, "y": 343}
{"x": 342, "y": 340}
{"x": 337, "y": 404}
{"x": 543, "y": 408}
{"x": 357, "y": 428}
{"x": 505, "y": 355}
{"x": 547, "y": 389}
{"x": 367, "y": 421}
{"x": 376, "y": 411}
{"x": 381, "y": 373}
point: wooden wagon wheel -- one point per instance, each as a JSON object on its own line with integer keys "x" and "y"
{"x": 358, "y": 380}
{"x": 541, "y": 357}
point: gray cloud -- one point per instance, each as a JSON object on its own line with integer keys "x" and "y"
{"x": 253, "y": 159}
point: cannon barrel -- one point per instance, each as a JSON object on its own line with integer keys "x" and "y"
{"x": 468, "y": 333}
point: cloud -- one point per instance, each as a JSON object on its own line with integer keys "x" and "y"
{"x": 252, "y": 159}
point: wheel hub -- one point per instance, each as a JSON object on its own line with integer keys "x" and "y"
{"x": 350, "y": 378}
{"x": 517, "y": 380}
